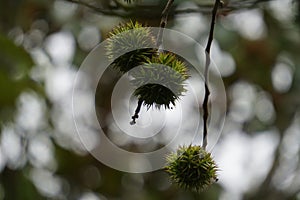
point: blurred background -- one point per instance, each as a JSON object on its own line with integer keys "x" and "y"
{"x": 42, "y": 45}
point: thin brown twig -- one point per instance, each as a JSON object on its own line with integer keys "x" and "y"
{"x": 163, "y": 23}
{"x": 207, "y": 63}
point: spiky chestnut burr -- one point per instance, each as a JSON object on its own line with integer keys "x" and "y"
{"x": 129, "y": 45}
{"x": 191, "y": 168}
{"x": 159, "y": 82}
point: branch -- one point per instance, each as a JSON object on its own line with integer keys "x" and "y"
{"x": 105, "y": 11}
{"x": 207, "y": 92}
{"x": 163, "y": 23}
{"x": 152, "y": 11}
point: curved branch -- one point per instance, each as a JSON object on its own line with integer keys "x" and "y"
{"x": 105, "y": 11}
{"x": 207, "y": 92}
{"x": 153, "y": 11}
{"x": 163, "y": 23}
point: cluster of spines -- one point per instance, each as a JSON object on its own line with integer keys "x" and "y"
{"x": 129, "y": 45}
{"x": 160, "y": 80}
{"x": 191, "y": 168}
{"x": 160, "y": 76}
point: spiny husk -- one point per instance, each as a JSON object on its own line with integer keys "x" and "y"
{"x": 160, "y": 81}
{"x": 129, "y": 45}
{"x": 191, "y": 168}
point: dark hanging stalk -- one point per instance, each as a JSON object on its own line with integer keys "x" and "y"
{"x": 207, "y": 63}
{"x": 136, "y": 113}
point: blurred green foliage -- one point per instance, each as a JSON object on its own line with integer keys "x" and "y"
{"x": 15, "y": 65}
{"x": 75, "y": 171}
